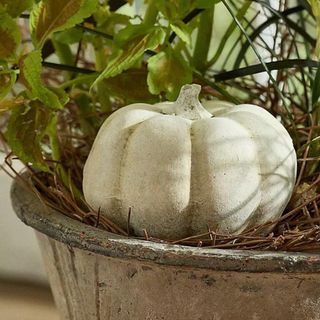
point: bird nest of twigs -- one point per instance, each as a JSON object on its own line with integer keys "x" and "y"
{"x": 298, "y": 229}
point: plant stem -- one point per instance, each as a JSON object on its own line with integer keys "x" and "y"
{"x": 79, "y": 80}
{"x": 94, "y": 31}
{"x": 66, "y": 67}
{"x": 186, "y": 19}
{"x": 257, "y": 68}
{"x": 202, "y": 45}
{"x": 79, "y": 26}
{"x": 188, "y": 105}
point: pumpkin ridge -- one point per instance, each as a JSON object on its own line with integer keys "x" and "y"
{"x": 256, "y": 213}
{"x": 263, "y": 116}
{"x": 124, "y": 156}
{"x": 146, "y": 182}
{"x": 97, "y": 192}
{"x": 190, "y": 208}
{"x": 253, "y": 216}
{"x": 263, "y": 113}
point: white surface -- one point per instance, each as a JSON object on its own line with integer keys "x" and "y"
{"x": 180, "y": 170}
{"x": 19, "y": 252}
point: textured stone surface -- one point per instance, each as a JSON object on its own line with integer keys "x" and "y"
{"x": 99, "y": 276}
{"x": 88, "y": 286}
{"x": 19, "y": 252}
{"x": 182, "y": 169}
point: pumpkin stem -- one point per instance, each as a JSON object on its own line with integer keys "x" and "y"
{"x": 188, "y": 104}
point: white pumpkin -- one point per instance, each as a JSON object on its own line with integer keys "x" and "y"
{"x": 182, "y": 168}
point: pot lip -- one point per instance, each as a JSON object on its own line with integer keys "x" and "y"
{"x": 73, "y": 233}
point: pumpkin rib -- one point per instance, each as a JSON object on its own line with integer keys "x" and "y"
{"x": 100, "y": 181}
{"x": 157, "y": 176}
{"x": 264, "y": 116}
{"x": 218, "y": 108}
{"x": 256, "y": 214}
{"x": 190, "y": 207}
{"x": 242, "y": 114}
{"x": 124, "y": 156}
{"x": 259, "y": 115}
{"x": 258, "y": 192}
{"x": 213, "y": 203}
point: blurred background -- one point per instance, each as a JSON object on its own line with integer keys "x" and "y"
{"x": 24, "y": 290}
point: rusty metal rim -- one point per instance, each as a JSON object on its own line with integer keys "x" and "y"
{"x": 76, "y": 234}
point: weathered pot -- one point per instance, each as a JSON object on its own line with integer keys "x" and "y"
{"x": 96, "y": 275}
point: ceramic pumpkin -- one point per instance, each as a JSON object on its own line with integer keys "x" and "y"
{"x": 182, "y": 168}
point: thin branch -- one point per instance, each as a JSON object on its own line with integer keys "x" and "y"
{"x": 80, "y": 26}
{"x": 66, "y": 67}
{"x": 266, "y": 24}
{"x": 257, "y": 68}
{"x": 94, "y": 31}
{"x": 186, "y": 19}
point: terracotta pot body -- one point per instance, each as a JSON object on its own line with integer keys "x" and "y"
{"x": 95, "y": 275}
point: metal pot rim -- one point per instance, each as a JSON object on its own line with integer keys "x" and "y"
{"x": 59, "y": 227}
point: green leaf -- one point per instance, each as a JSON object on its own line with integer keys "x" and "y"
{"x": 316, "y": 88}
{"x": 131, "y": 53}
{"x": 30, "y": 71}
{"x": 10, "y": 37}
{"x": 69, "y": 36}
{"x": 80, "y": 80}
{"x": 26, "y": 129}
{"x": 174, "y": 10}
{"x": 182, "y": 31}
{"x": 64, "y": 54}
{"x": 15, "y": 7}
{"x": 56, "y": 15}
{"x": 131, "y": 85}
{"x": 315, "y": 6}
{"x": 7, "y": 80}
{"x": 205, "y": 4}
{"x": 167, "y": 73}
{"x": 9, "y": 104}
{"x": 109, "y": 22}
{"x": 130, "y": 32}
{"x": 61, "y": 94}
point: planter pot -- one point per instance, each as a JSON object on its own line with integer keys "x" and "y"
{"x": 96, "y": 275}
